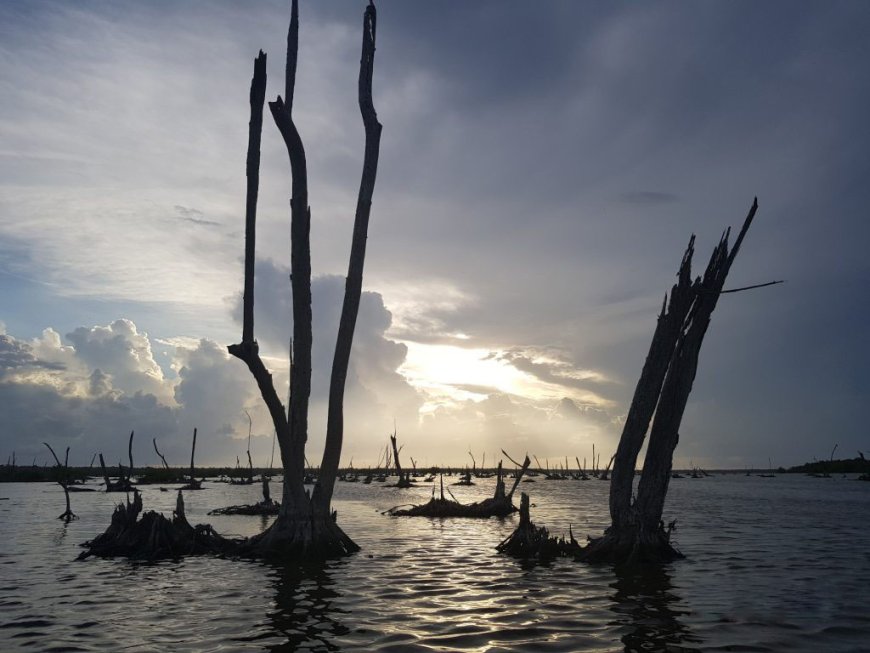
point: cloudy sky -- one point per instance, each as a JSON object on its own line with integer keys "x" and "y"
{"x": 542, "y": 167}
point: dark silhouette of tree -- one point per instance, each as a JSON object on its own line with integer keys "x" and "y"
{"x": 637, "y": 531}
{"x": 305, "y": 524}
{"x": 63, "y": 479}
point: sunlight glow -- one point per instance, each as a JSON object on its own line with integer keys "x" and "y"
{"x": 450, "y": 374}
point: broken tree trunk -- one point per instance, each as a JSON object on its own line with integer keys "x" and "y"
{"x": 637, "y": 532}
{"x": 192, "y": 483}
{"x": 325, "y": 486}
{"x": 530, "y": 541}
{"x": 63, "y": 480}
{"x": 404, "y": 477}
{"x": 606, "y": 471}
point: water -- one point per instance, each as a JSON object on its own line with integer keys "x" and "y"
{"x": 772, "y": 565}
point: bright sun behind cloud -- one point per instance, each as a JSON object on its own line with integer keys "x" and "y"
{"x": 449, "y": 373}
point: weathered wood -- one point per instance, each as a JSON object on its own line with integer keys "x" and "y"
{"x": 648, "y": 389}
{"x": 353, "y": 285}
{"x": 499, "y": 505}
{"x": 252, "y": 172}
{"x": 404, "y": 477}
{"x": 531, "y": 541}
{"x": 63, "y": 480}
{"x": 664, "y": 434}
{"x": 165, "y": 464}
{"x": 155, "y": 537}
{"x": 637, "y": 532}
{"x": 192, "y": 483}
{"x": 300, "y": 266}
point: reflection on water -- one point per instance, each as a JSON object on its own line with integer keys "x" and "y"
{"x": 775, "y": 565}
{"x": 649, "y": 610}
{"x": 304, "y": 611}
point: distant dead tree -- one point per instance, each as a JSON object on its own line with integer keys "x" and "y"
{"x": 63, "y": 479}
{"x": 305, "y": 524}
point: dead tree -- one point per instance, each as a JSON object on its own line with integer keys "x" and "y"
{"x": 63, "y": 480}
{"x": 637, "y": 531}
{"x": 162, "y": 458}
{"x": 604, "y": 474}
{"x": 192, "y": 483}
{"x": 305, "y": 525}
{"x": 123, "y": 483}
{"x": 404, "y": 477}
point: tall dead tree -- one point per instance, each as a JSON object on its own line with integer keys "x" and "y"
{"x": 305, "y": 525}
{"x": 637, "y": 531}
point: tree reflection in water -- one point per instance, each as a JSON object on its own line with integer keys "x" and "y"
{"x": 648, "y": 611}
{"x": 304, "y": 612}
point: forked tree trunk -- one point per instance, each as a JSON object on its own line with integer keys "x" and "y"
{"x": 306, "y": 525}
{"x": 404, "y": 477}
{"x": 63, "y": 480}
{"x": 637, "y": 531}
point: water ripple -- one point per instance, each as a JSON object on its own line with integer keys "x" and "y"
{"x": 772, "y": 566}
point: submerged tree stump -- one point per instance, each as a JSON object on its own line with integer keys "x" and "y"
{"x": 530, "y": 541}
{"x": 154, "y": 537}
{"x": 499, "y": 505}
{"x": 265, "y": 507}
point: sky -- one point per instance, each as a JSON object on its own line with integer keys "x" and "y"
{"x": 542, "y": 167}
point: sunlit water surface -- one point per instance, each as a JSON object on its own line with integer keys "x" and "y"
{"x": 777, "y": 564}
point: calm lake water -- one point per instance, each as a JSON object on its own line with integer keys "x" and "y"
{"x": 777, "y": 564}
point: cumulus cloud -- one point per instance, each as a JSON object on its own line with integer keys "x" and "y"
{"x": 88, "y": 393}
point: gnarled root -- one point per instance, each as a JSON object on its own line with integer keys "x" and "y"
{"x": 631, "y": 545}
{"x": 294, "y": 538}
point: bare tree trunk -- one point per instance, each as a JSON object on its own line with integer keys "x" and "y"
{"x": 295, "y": 500}
{"x": 648, "y": 389}
{"x": 404, "y": 478}
{"x": 165, "y": 464}
{"x": 637, "y": 530}
{"x": 664, "y": 434}
{"x": 353, "y": 284}
{"x": 63, "y": 481}
{"x": 305, "y": 525}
